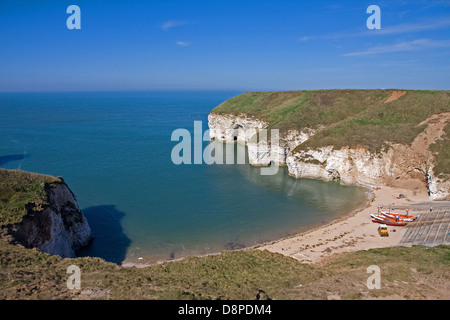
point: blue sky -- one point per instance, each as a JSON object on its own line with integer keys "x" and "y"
{"x": 244, "y": 45}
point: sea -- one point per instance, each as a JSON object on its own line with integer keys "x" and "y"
{"x": 114, "y": 151}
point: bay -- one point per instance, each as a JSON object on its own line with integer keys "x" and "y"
{"x": 114, "y": 151}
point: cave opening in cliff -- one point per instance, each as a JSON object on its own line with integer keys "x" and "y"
{"x": 238, "y": 130}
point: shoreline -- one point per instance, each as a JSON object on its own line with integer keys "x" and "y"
{"x": 138, "y": 263}
{"x": 352, "y": 231}
{"x": 345, "y": 215}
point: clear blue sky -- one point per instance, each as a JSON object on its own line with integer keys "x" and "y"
{"x": 223, "y": 45}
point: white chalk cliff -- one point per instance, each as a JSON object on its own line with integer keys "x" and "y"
{"x": 398, "y": 165}
{"x": 57, "y": 228}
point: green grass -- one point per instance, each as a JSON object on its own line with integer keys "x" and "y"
{"x": 397, "y": 121}
{"x": 19, "y": 188}
{"x": 351, "y": 117}
{"x": 417, "y": 272}
{"x": 299, "y": 109}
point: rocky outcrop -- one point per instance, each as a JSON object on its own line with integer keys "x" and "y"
{"x": 398, "y": 165}
{"x": 439, "y": 189}
{"x": 231, "y": 129}
{"x": 263, "y": 145}
{"x": 357, "y": 165}
{"x": 272, "y": 146}
{"x": 58, "y": 227}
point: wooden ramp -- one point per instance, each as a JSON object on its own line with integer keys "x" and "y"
{"x": 430, "y": 229}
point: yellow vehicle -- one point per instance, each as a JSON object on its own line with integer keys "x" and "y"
{"x": 383, "y": 230}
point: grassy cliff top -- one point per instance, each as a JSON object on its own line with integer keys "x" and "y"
{"x": 421, "y": 272}
{"x": 351, "y": 117}
{"x": 17, "y": 189}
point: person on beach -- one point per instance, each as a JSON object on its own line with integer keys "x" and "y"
{"x": 431, "y": 209}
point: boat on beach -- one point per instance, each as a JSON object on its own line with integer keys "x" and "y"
{"x": 402, "y": 217}
{"x": 387, "y": 221}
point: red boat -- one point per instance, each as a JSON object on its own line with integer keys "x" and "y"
{"x": 388, "y": 221}
{"x": 402, "y": 217}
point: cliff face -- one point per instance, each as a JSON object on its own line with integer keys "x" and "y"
{"x": 242, "y": 129}
{"x": 230, "y": 129}
{"x": 398, "y": 165}
{"x": 57, "y": 227}
{"x": 358, "y": 165}
{"x": 439, "y": 188}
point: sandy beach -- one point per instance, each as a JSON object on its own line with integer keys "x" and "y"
{"x": 352, "y": 233}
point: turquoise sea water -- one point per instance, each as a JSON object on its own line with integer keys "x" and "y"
{"x": 114, "y": 151}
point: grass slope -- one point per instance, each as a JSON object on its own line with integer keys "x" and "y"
{"x": 17, "y": 189}
{"x": 406, "y": 273}
{"x": 350, "y": 117}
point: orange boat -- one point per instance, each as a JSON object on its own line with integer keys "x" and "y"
{"x": 403, "y": 217}
{"x": 388, "y": 221}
